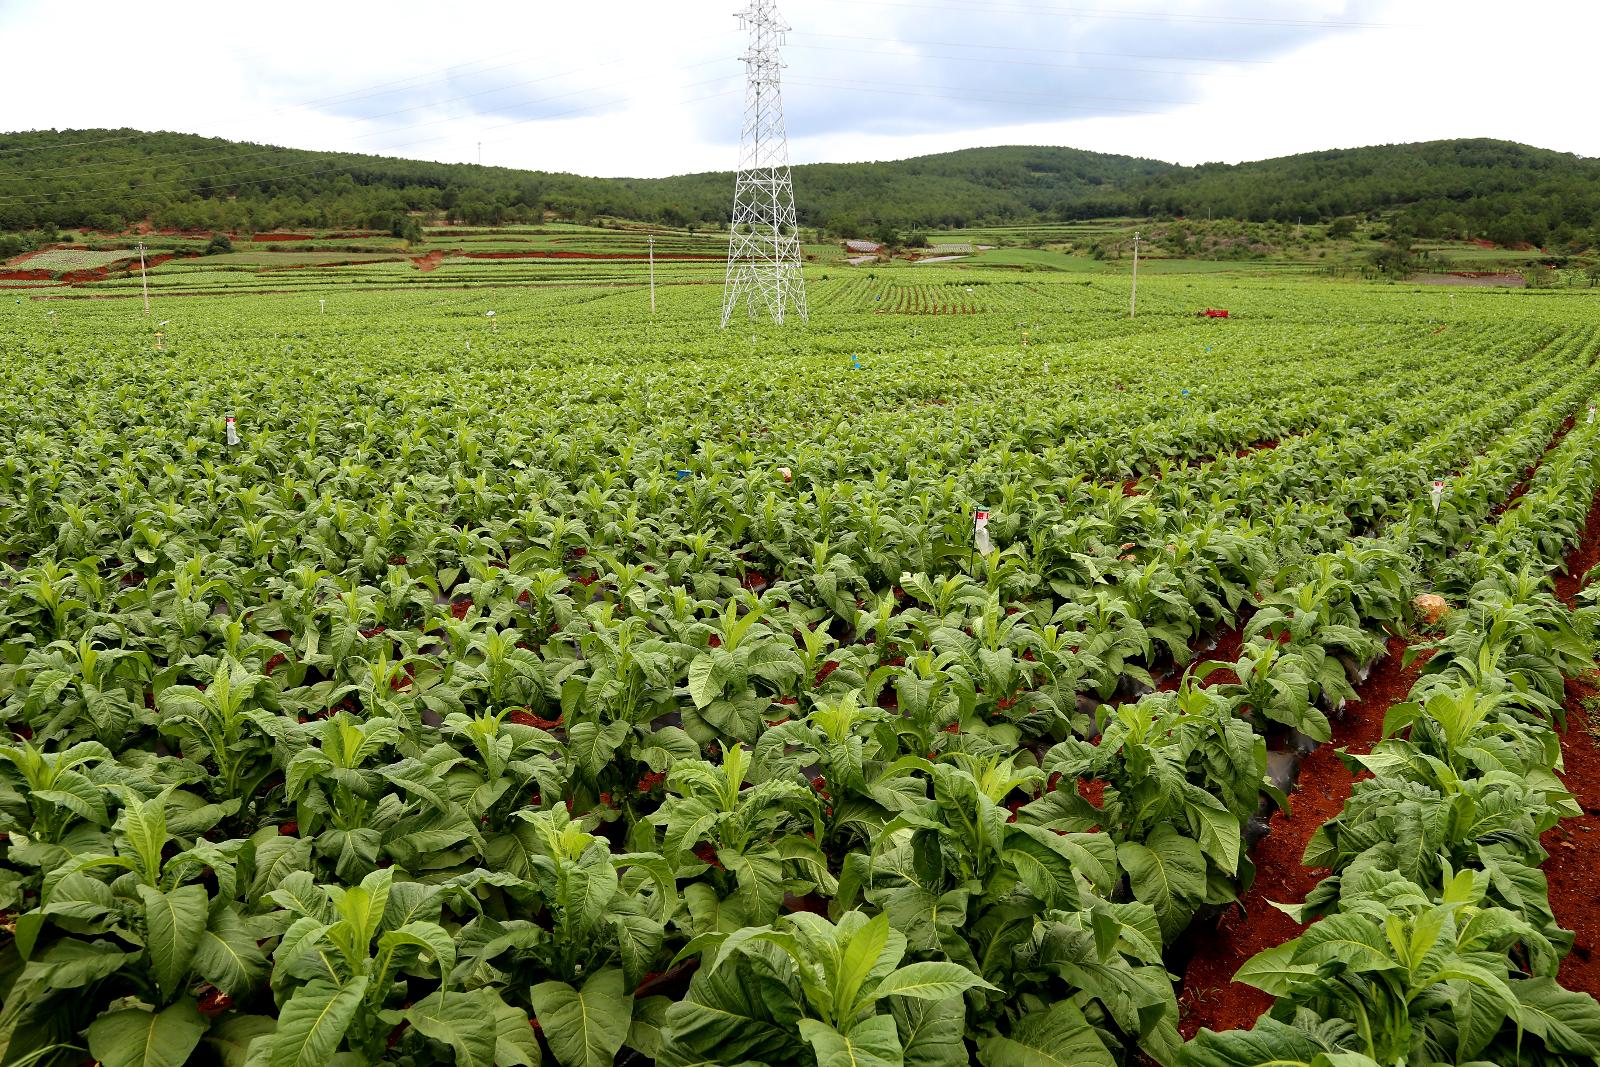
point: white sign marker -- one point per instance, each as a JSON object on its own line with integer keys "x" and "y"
{"x": 980, "y": 531}
{"x": 233, "y": 433}
{"x": 1437, "y": 493}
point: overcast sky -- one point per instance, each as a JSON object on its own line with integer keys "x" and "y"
{"x": 652, "y": 87}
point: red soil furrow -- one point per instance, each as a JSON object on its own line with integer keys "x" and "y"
{"x": 1210, "y": 997}
{"x": 1527, "y": 476}
{"x": 1582, "y": 558}
{"x": 1573, "y": 869}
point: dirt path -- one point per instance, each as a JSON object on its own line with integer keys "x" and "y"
{"x": 1573, "y": 869}
{"x": 1210, "y": 997}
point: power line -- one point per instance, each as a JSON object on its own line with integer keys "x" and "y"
{"x": 1021, "y": 62}
{"x": 839, "y": 83}
{"x": 1046, "y": 51}
{"x": 1017, "y": 7}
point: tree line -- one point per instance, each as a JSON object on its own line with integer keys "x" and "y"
{"x": 112, "y": 179}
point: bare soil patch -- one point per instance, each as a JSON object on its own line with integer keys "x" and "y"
{"x": 1473, "y": 280}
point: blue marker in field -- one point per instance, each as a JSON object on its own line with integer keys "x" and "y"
{"x": 682, "y": 475}
{"x": 855, "y": 362}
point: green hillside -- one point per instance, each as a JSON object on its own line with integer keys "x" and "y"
{"x": 110, "y": 179}
{"x": 1499, "y": 190}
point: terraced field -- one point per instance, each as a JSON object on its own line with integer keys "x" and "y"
{"x": 956, "y": 679}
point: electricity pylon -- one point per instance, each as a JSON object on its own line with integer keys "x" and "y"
{"x": 763, "y": 243}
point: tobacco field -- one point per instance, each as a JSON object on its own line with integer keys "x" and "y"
{"x": 577, "y": 686}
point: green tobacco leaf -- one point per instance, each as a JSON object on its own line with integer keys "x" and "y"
{"x": 231, "y": 1035}
{"x": 931, "y": 1031}
{"x": 1273, "y": 970}
{"x": 706, "y": 678}
{"x": 1270, "y": 1044}
{"x": 1218, "y": 832}
{"x": 1167, "y": 872}
{"x": 137, "y": 1038}
{"x": 1044, "y": 862}
{"x": 429, "y": 939}
{"x": 586, "y": 1027}
{"x": 872, "y": 1042}
{"x": 1351, "y": 939}
{"x": 467, "y": 1022}
{"x": 514, "y": 1042}
{"x": 1059, "y": 1036}
{"x": 1568, "y": 1021}
{"x": 174, "y": 923}
{"x": 862, "y": 952}
{"x": 594, "y": 746}
{"x": 731, "y": 1014}
{"x": 227, "y": 956}
{"x": 931, "y": 981}
{"x": 314, "y": 1021}
{"x": 759, "y": 873}
{"x": 70, "y": 963}
{"x": 276, "y": 859}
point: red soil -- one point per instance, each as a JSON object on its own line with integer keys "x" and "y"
{"x": 428, "y": 262}
{"x": 283, "y": 237}
{"x": 1210, "y": 997}
{"x": 1573, "y": 869}
{"x": 1230, "y": 642}
{"x": 1585, "y": 556}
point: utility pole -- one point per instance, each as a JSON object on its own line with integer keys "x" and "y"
{"x": 1133, "y": 301}
{"x": 763, "y": 240}
{"x": 144, "y": 282}
{"x": 480, "y": 153}
{"x": 652, "y": 274}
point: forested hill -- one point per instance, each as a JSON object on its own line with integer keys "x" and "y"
{"x": 109, "y": 179}
{"x": 1506, "y": 192}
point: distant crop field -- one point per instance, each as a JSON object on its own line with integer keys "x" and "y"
{"x": 63, "y": 259}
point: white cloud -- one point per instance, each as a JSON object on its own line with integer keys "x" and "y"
{"x": 631, "y": 87}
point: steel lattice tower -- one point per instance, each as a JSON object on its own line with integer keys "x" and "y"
{"x": 763, "y": 243}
